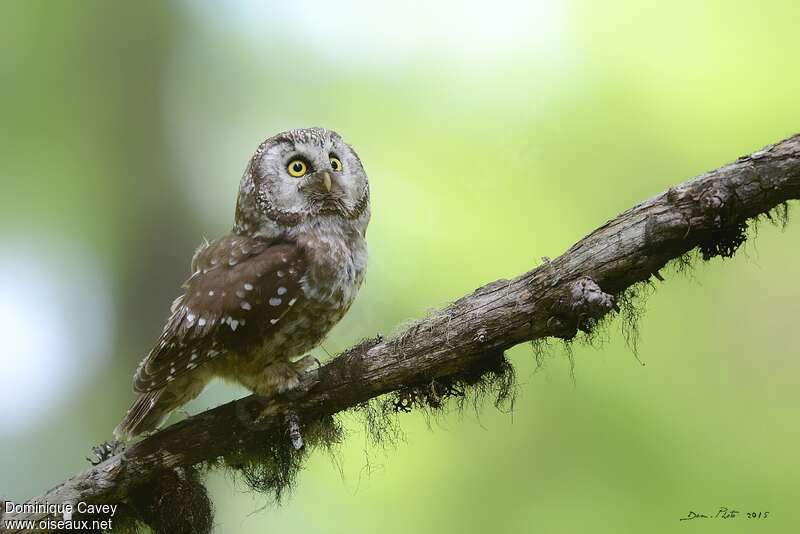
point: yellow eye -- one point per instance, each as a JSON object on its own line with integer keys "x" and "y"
{"x": 297, "y": 168}
{"x": 336, "y": 165}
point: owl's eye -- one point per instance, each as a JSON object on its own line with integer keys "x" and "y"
{"x": 336, "y": 165}
{"x": 297, "y": 168}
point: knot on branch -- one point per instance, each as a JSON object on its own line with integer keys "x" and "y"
{"x": 716, "y": 202}
{"x": 580, "y": 309}
{"x": 589, "y": 300}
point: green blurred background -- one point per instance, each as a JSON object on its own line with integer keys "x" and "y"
{"x": 494, "y": 133}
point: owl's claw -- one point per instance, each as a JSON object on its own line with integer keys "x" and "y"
{"x": 283, "y": 377}
{"x": 104, "y": 451}
{"x": 306, "y": 363}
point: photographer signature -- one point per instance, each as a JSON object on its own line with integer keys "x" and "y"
{"x": 724, "y": 513}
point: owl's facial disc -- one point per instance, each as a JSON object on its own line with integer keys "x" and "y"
{"x": 306, "y": 173}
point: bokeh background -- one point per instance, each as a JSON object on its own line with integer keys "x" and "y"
{"x": 494, "y": 133}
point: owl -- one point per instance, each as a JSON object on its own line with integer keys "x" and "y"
{"x": 259, "y": 298}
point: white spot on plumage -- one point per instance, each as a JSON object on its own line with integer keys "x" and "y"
{"x": 291, "y": 302}
{"x": 275, "y": 301}
{"x": 280, "y": 274}
{"x": 248, "y": 287}
{"x": 281, "y": 290}
{"x": 172, "y": 370}
{"x": 194, "y": 356}
{"x": 170, "y": 378}
{"x": 190, "y": 318}
{"x": 191, "y": 365}
{"x": 246, "y": 305}
{"x": 273, "y": 321}
{"x": 233, "y": 323}
{"x": 211, "y": 293}
{"x": 201, "y": 322}
{"x": 232, "y": 262}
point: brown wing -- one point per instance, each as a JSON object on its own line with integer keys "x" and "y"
{"x": 240, "y": 289}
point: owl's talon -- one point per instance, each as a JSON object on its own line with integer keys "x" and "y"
{"x": 281, "y": 378}
{"x": 104, "y": 451}
{"x": 306, "y": 363}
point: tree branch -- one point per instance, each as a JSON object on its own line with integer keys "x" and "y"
{"x": 558, "y": 298}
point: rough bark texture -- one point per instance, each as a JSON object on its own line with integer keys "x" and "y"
{"x": 557, "y": 299}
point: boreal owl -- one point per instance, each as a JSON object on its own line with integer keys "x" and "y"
{"x": 263, "y": 295}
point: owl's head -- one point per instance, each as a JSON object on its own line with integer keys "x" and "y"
{"x": 301, "y": 175}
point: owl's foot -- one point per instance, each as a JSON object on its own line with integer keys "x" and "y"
{"x": 306, "y": 363}
{"x": 296, "y": 371}
{"x": 282, "y": 377}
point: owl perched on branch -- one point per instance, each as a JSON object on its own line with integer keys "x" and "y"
{"x": 270, "y": 290}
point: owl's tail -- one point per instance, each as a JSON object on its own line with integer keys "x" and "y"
{"x": 148, "y": 412}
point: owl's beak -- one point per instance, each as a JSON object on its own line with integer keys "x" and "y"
{"x": 320, "y": 182}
